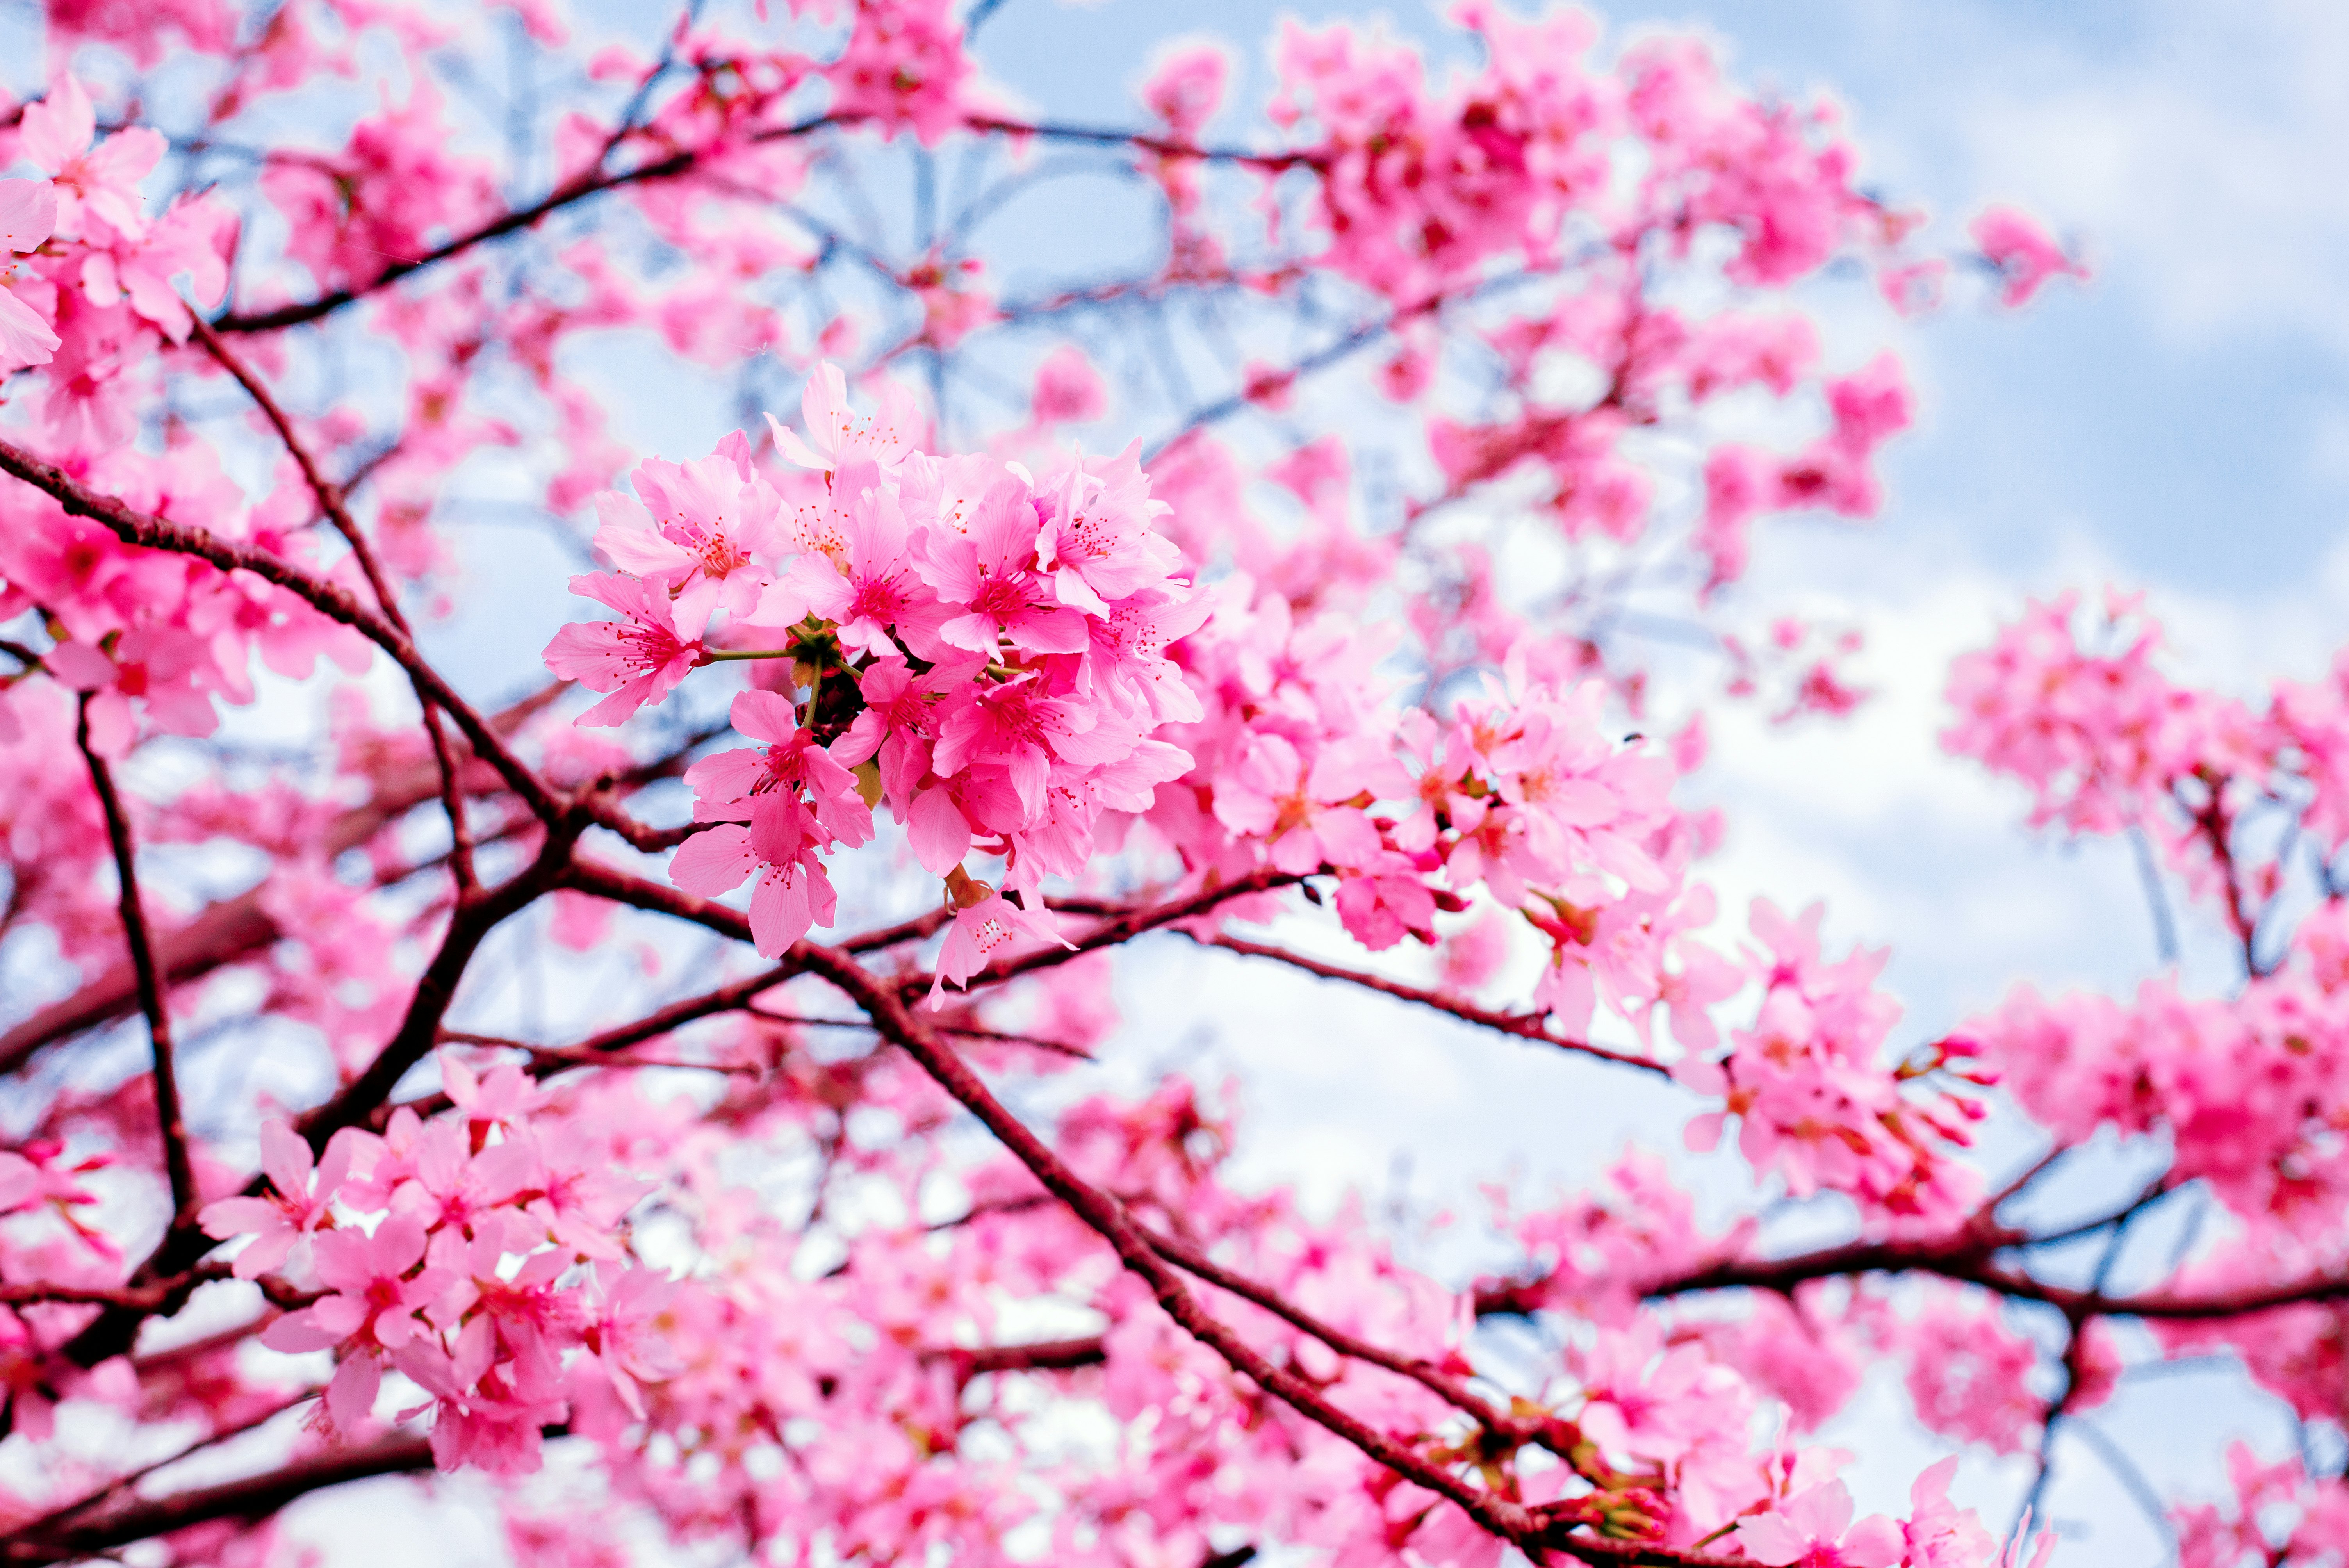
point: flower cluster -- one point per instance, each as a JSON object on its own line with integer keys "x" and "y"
{"x": 987, "y": 647}
{"x": 2238, "y": 1088}
{"x": 1813, "y": 1098}
{"x": 474, "y": 1254}
{"x": 100, "y": 273}
{"x": 2080, "y": 711}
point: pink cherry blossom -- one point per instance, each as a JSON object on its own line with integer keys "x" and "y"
{"x": 980, "y": 932}
{"x": 837, "y": 437}
{"x": 639, "y": 658}
{"x": 302, "y": 1199}
{"x": 28, "y": 215}
{"x": 713, "y": 519}
{"x": 987, "y": 571}
{"x": 2022, "y": 253}
{"x": 1815, "y": 1530}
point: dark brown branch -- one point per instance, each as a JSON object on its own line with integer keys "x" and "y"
{"x": 436, "y": 988}
{"x": 1044, "y": 1356}
{"x": 523, "y": 218}
{"x": 153, "y": 998}
{"x": 1971, "y": 1260}
{"x": 254, "y": 1497}
{"x": 336, "y": 603}
{"x": 45, "y": 1523}
{"x": 137, "y": 1299}
{"x": 883, "y": 1002}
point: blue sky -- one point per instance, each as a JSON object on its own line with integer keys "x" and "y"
{"x": 2188, "y": 412}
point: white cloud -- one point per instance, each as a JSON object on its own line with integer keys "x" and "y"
{"x": 2203, "y": 165}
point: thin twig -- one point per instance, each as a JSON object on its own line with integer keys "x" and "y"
{"x": 1523, "y": 1025}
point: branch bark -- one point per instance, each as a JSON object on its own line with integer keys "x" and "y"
{"x": 153, "y": 999}
{"x": 331, "y": 501}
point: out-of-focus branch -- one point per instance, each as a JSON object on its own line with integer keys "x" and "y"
{"x": 252, "y": 1497}
{"x": 332, "y": 502}
{"x": 137, "y": 1299}
{"x": 436, "y": 988}
{"x": 230, "y": 929}
{"x": 595, "y": 180}
{"x": 1044, "y": 1356}
{"x": 46, "y": 1523}
{"x": 1969, "y": 1260}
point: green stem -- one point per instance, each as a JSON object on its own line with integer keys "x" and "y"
{"x": 714, "y": 656}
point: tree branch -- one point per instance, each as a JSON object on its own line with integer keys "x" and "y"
{"x": 1043, "y": 1355}
{"x": 1968, "y": 1260}
{"x": 153, "y": 998}
{"x": 229, "y": 929}
{"x": 1135, "y": 1248}
{"x": 1523, "y": 1025}
{"x": 254, "y": 1497}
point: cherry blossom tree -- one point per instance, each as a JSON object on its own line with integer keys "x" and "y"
{"x": 1285, "y": 584}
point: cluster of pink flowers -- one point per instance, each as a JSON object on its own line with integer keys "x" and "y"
{"x": 987, "y": 647}
{"x": 150, "y": 644}
{"x": 1418, "y": 188}
{"x": 2282, "y": 1514}
{"x": 1005, "y": 662}
{"x": 100, "y": 273}
{"x": 2239, "y": 1086}
{"x": 1814, "y": 1098}
{"x": 2100, "y": 737}
{"x": 2081, "y": 712}
{"x": 475, "y": 1253}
